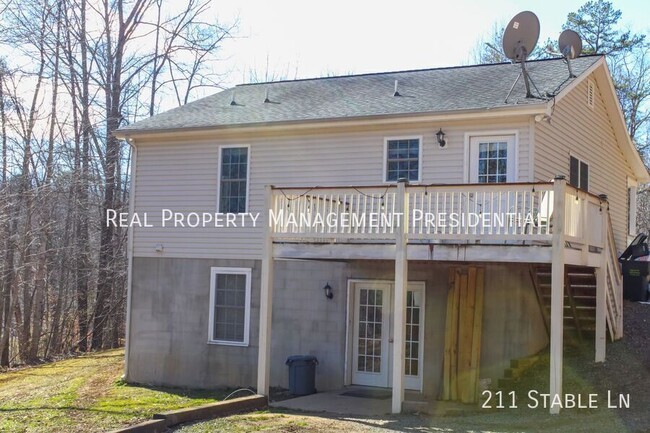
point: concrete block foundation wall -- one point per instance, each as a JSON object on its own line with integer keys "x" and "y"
{"x": 170, "y": 309}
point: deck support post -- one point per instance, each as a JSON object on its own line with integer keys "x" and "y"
{"x": 399, "y": 302}
{"x": 266, "y": 303}
{"x": 601, "y": 292}
{"x": 557, "y": 293}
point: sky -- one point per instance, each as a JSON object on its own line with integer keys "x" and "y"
{"x": 301, "y": 39}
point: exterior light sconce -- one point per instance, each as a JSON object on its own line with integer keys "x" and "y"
{"x": 440, "y": 136}
{"x": 328, "y": 291}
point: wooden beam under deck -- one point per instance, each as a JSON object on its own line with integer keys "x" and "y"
{"x": 435, "y": 252}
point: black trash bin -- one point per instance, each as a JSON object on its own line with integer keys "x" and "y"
{"x": 636, "y": 268}
{"x": 635, "y": 280}
{"x": 302, "y": 374}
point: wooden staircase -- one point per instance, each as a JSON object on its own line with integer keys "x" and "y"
{"x": 580, "y": 293}
{"x": 579, "y": 299}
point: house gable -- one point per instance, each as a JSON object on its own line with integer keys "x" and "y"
{"x": 595, "y": 135}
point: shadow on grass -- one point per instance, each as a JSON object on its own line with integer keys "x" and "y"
{"x": 191, "y": 393}
{"x": 66, "y": 409}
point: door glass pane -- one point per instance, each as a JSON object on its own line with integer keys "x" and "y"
{"x": 492, "y": 162}
{"x": 412, "y": 358}
{"x": 369, "y": 344}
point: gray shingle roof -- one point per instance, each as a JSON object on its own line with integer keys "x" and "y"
{"x": 422, "y": 91}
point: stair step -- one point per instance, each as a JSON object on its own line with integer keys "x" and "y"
{"x": 580, "y": 274}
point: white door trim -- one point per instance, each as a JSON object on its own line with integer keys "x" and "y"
{"x": 410, "y": 383}
{"x": 495, "y": 133}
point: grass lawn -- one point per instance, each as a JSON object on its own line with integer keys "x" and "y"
{"x": 84, "y": 394}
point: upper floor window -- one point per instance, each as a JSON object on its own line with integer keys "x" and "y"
{"x": 233, "y": 179}
{"x": 579, "y": 174}
{"x": 403, "y": 159}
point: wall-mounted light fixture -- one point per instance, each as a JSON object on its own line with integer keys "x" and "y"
{"x": 440, "y": 136}
{"x": 328, "y": 291}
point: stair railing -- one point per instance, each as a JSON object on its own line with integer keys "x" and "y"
{"x": 614, "y": 285}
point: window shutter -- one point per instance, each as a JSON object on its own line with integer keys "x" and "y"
{"x": 584, "y": 176}
{"x": 574, "y": 172}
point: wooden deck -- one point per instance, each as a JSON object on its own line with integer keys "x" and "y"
{"x": 467, "y": 222}
{"x": 518, "y": 222}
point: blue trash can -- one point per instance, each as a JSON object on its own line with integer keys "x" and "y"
{"x": 302, "y": 374}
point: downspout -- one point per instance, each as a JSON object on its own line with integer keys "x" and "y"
{"x": 129, "y": 252}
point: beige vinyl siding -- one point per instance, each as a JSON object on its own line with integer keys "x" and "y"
{"x": 182, "y": 176}
{"x": 586, "y": 133}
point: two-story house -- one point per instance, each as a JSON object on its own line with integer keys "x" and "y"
{"x": 413, "y": 230}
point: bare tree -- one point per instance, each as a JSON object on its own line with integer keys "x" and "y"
{"x": 97, "y": 64}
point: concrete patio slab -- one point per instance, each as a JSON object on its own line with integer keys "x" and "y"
{"x": 334, "y": 402}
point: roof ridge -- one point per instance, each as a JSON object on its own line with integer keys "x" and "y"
{"x": 405, "y": 71}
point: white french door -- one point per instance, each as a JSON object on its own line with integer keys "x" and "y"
{"x": 372, "y": 336}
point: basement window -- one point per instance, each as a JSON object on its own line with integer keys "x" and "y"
{"x": 579, "y": 174}
{"x": 230, "y": 304}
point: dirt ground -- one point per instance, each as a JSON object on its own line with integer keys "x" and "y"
{"x": 627, "y": 368}
{"x": 626, "y": 372}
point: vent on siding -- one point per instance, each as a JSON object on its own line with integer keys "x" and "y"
{"x": 591, "y": 90}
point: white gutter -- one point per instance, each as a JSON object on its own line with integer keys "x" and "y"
{"x": 129, "y": 252}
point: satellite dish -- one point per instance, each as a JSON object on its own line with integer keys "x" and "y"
{"x": 519, "y": 40}
{"x": 520, "y": 36}
{"x": 570, "y": 44}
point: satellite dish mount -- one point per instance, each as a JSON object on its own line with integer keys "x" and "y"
{"x": 519, "y": 40}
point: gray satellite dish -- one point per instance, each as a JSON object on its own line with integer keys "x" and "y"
{"x": 519, "y": 40}
{"x": 570, "y": 46}
{"x": 520, "y": 37}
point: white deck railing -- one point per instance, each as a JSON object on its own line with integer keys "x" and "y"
{"x": 467, "y": 213}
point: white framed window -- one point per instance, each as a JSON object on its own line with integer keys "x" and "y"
{"x": 230, "y": 305}
{"x": 234, "y": 175}
{"x": 578, "y": 173}
{"x": 492, "y": 159}
{"x": 403, "y": 159}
